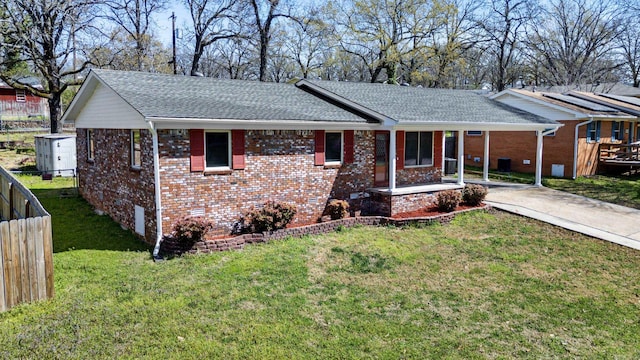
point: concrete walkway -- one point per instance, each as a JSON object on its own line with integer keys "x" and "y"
{"x": 614, "y": 223}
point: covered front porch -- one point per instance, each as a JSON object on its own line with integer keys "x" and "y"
{"x": 392, "y": 199}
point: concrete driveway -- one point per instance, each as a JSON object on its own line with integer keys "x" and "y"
{"x": 614, "y": 223}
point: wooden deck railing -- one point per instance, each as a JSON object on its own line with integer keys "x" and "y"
{"x": 623, "y": 154}
{"x": 26, "y": 248}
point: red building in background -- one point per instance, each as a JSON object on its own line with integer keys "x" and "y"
{"x": 21, "y": 106}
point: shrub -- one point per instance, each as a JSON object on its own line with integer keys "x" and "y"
{"x": 337, "y": 209}
{"x": 474, "y": 194}
{"x": 448, "y": 200}
{"x": 189, "y": 230}
{"x": 271, "y": 216}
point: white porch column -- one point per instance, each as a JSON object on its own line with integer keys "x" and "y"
{"x": 392, "y": 159}
{"x": 485, "y": 165}
{"x": 539, "y": 159}
{"x": 460, "y": 157}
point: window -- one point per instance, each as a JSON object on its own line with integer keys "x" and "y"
{"x": 135, "y": 149}
{"x": 593, "y": 131}
{"x": 217, "y": 150}
{"x": 418, "y": 149}
{"x": 333, "y": 147}
{"x": 21, "y": 96}
{"x": 474, "y": 133}
{"x": 90, "y": 145}
{"x": 616, "y": 131}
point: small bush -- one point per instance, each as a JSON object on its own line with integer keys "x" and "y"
{"x": 190, "y": 230}
{"x": 337, "y": 209}
{"x": 271, "y": 216}
{"x": 448, "y": 200}
{"x": 474, "y": 194}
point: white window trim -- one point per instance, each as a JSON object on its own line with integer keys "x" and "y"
{"x": 218, "y": 168}
{"x": 432, "y": 149}
{"x": 132, "y": 145}
{"x": 475, "y": 132}
{"x": 21, "y": 95}
{"x": 341, "y": 148}
{"x": 90, "y": 140}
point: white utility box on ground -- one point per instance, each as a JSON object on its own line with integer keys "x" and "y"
{"x": 56, "y": 154}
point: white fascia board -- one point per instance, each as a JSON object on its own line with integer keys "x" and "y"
{"x": 80, "y": 99}
{"x": 576, "y": 114}
{"x": 614, "y": 117}
{"x": 238, "y": 124}
{"x": 477, "y": 126}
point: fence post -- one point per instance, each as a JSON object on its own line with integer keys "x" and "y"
{"x": 11, "y": 213}
{"x": 4, "y": 235}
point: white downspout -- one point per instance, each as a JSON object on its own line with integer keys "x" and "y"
{"x": 156, "y": 182}
{"x": 575, "y": 146}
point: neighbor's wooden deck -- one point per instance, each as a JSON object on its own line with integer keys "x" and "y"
{"x": 620, "y": 154}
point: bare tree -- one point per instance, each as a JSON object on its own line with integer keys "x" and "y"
{"x": 503, "y": 26}
{"x": 306, "y": 42}
{"x": 575, "y": 40}
{"x": 121, "y": 53}
{"x": 48, "y": 35}
{"x": 212, "y": 21}
{"x": 235, "y": 56}
{"x": 629, "y": 43}
{"x": 264, "y": 15}
{"x": 383, "y": 33}
{"x": 135, "y": 18}
{"x": 458, "y": 34}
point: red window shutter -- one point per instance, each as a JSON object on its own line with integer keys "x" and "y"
{"x": 399, "y": 150}
{"x": 319, "y": 156}
{"x": 348, "y": 146}
{"x": 196, "y": 137}
{"x": 237, "y": 149}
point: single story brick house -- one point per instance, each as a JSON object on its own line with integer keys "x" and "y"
{"x": 153, "y": 148}
{"x": 592, "y": 124}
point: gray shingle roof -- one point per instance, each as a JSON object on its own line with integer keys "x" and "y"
{"x": 422, "y": 105}
{"x": 174, "y": 96}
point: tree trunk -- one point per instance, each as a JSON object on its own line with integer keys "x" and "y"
{"x": 264, "y": 45}
{"x": 54, "y": 113}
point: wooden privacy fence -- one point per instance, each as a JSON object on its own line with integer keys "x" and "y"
{"x": 26, "y": 248}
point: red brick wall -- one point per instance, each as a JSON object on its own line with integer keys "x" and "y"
{"x": 110, "y": 184}
{"x": 278, "y": 166}
{"x": 558, "y": 149}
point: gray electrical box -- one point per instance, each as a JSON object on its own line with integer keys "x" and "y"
{"x": 56, "y": 154}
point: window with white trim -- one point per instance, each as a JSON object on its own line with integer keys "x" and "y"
{"x": 90, "y": 145}
{"x": 333, "y": 147}
{"x": 474, "y": 133}
{"x": 593, "y": 131}
{"x": 21, "y": 95}
{"x": 617, "y": 132}
{"x": 136, "y": 152}
{"x": 418, "y": 148}
{"x": 217, "y": 149}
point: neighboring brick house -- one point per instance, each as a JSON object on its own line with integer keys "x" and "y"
{"x": 153, "y": 148}
{"x": 20, "y": 106}
{"x": 570, "y": 151}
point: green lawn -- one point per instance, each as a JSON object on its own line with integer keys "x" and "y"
{"x": 616, "y": 189}
{"x": 489, "y": 285}
{"x": 621, "y": 190}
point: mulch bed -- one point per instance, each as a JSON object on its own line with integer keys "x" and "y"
{"x": 431, "y": 211}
